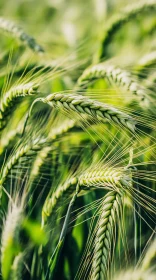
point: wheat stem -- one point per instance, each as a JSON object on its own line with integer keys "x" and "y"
{"x": 9, "y": 138}
{"x": 108, "y": 179}
{"x": 35, "y": 145}
{"x": 21, "y": 152}
{"x": 17, "y": 266}
{"x": 148, "y": 60}
{"x": 17, "y": 32}
{"x": 53, "y": 135}
{"x": 119, "y": 20}
{"x": 10, "y": 238}
{"x": 121, "y": 77}
{"x": 150, "y": 256}
{"x": 110, "y": 210}
{"x": 86, "y": 107}
{"x": 52, "y": 203}
{"x": 9, "y": 99}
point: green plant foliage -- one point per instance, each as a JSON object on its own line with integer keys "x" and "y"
{"x": 77, "y": 140}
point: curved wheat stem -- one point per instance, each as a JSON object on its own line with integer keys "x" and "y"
{"x": 110, "y": 210}
{"x": 52, "y": 203}
{"x": 39, "y": 162}
{"x": 65, "y": 224}
{"x": 35, "y": 145}
{"x": 147, "y": 60}
{"x": 150, "y": 82}
{"x": 109, "y": 179}
{"x": 21, "y": 152}
{"x": 136, "y": 274}
{"x": 151, "y": 79}
{"x": 9, "y": 99}
{"x": 87, "y": 107}
{"x": 121, "y": 77}
{"x": 63, "y": 128}
{"x": 120, "y": 19}
{"x": 17, "y": 267}
{"x": 10, "y": 137}
{"x": 150, "y": 256}
{"x": 43, "y": 154}
{"x": 10, "y": 238}
{"x": 17, "y": 32}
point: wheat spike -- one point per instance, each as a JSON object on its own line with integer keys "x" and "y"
{"x": 136, "y": 274}
{"x": 52, "y": 203}
{"x": 17, "y": 32}
{"x": 43, "y": 154}
{"x": 103, "y": 241}
{"x": 21, "y": 152}
{"x": 106, "y": 177}
{"x": 9, "y": 99}
{"x": 17, "y": 267}
{"x": 8, "y": 138}
{"x": 150, "y": 256}
{"x": 125, "y": 16}
{"x": 147, "y": 60}
{"x": 86, "y": 107}
{"x": 110, "y": 179}
{"x": 10, "y": 236}
{"x": 113, "y": 73}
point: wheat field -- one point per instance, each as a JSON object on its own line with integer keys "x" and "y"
{"x": 77, "y": 140}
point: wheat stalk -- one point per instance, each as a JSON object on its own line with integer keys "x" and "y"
{"x": 17, "y": 267}
{"x": 106, "y": 177}
{"x": 10, "y": 237}
{"x": 113, "y": 73}
{"x": 10, "y": 137}
{"x": 110, "y": 210}
{"x": 86, "y": 107}
{"x": 35, "y": 145}
{"x": 52, "y": 203}
{"x": 110, "y": 179}
{"x": 119, "y": 20}
{"x": 53, "y": 135}
{"x": 150, "y": 83}
{"x": 21, "y": 152}
{"x": 136, "y": 274}
{"x": 147, "y": 60}
{"x": 17, "y": 32}
{"x": 93, "y": 162}
{"x": 9, "y": 99}
{"x": 150, "y": 256}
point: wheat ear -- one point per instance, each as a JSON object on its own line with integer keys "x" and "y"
{"x": 31, "y": 146}
{"x": 21, "y": 152}
{"x": 17, "y": 267}
{"x": 150, "y": 82}
{"x": 9, "y": 99}
{"x": 107, "y": 177}
{"x": 136, "y": 274}
{"x": 52, "y": 203}
{"x": 9, "y": 137}
{"x": 103, "y": 241}
{"x": 17, "y": 32}
{"x": 111, "y": 179}
{"x": 150, "y": 256}
{"x": 65, "y": 225}
{"x": 86, "y": 107}
{"x": 149, "y": 60}
{"x": 10, "y": 237}
{"x": 121, "y": 77}
{"x": 120, "y": 19}
{"x": 43, "y": 154}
